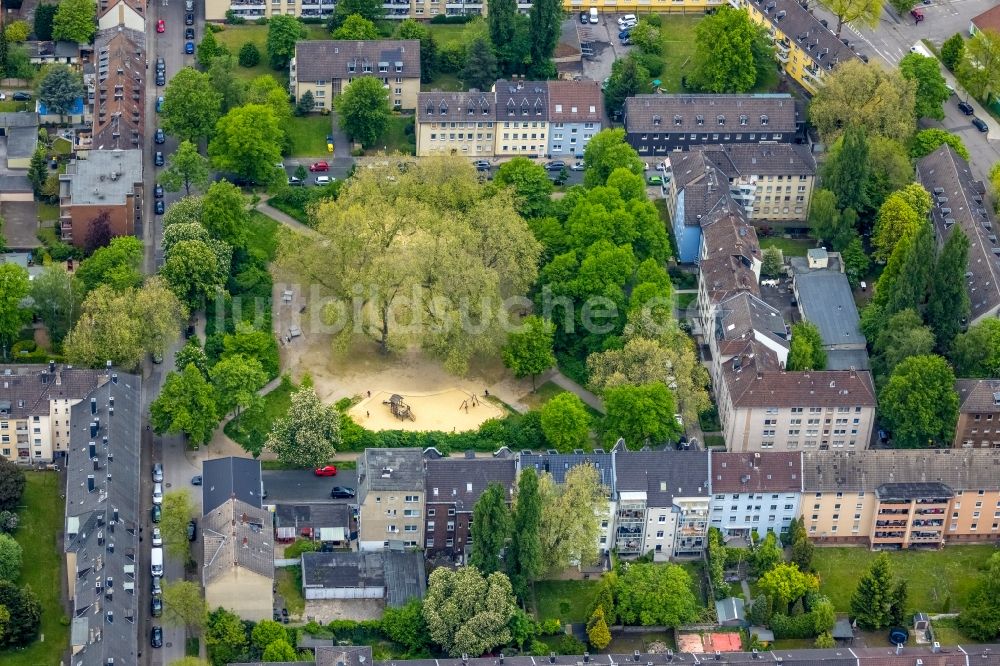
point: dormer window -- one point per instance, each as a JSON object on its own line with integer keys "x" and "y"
{"x": 763, "y": 119}
{"x": 486, "y": 110}
{"x": 352, "y": 66}
{"x": 399, "y": 66}
{"x": 366, "y": 68}
{"x": 656, "y": 120}
{"x": 700, "y": 119}
{"x": 558, "y": 108}
{"x": 721, "y": 119}
{"x": 430, "y": 110}
{"x": 743, "y": 119}
{"x": 678, "y": 120}
{"x": 383, "y": 67}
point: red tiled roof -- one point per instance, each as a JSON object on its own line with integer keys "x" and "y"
{"x": 988, "y": 20}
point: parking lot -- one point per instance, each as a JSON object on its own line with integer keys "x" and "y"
{"x": 304, "y": 486}
{"x": 602, "y": 38}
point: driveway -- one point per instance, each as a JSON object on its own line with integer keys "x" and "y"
{"x": 20, "y": 226}
{"x": 304, "y": 486}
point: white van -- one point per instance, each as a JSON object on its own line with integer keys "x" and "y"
{"x": 627, "y": 20}
{"x": 156, "y": 562}
{"x": 593, "y": 15}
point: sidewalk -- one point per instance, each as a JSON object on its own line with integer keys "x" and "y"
{"x": 564, "y": 382}
{"x": 278, "y": 216}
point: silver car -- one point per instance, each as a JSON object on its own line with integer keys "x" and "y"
{"x": 157, "y": 472}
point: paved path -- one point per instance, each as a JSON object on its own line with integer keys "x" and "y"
{"x": 285, "y": 219}
{"x": 564, "y": 382}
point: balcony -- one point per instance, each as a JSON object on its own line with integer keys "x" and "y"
{"x": 781, "y": 56}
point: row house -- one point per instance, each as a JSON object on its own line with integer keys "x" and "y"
{"x": 396, "y": 10}
{"x": 756, "y": 492}
{"x": 392, "y": 498}
{"x": 978, "y": 414}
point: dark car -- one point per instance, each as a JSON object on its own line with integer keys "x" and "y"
{"x": 482, "y": 165}
{"x": 556, "y": 165}
{"x": 340, "y": 492}
{"x": 156, "y": 606}
{"x": 966, "y": 108}
{"x": 159, "y": 137}
{"x": 188, "y": 33}
{"x": 161, "y": 79}
{"x": 159, "y": 103}
{"x": 624, "y": 34}
{"x": 192, "y": 530}
{"x": 158, "y": 194}
{"x": 161, "y": 65}
{"x": 156, "y": 637}
{"x": 156, "y": 512}
{"x": 189, "y": 47}
{"x": 21, "y": 96}
{"x": 980, "y": 124}
{"x": 156, "y": 585}
{"x": 584, "y": 17}
{"x": 189, "y": 19}
{"x": 158, "y": 158}
{"x": 196, "y": 480}
{"x": 158, "y": 207}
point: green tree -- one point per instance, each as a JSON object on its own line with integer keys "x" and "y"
{"x": 528, "y": 352}
{"x": 544, "y": 20}
{"x": 280, "y": 651}
{"x": 910, "y": 288}
{"x": 10, "y": 558}
{"x": 208, "y": 49}
{"x": 187, "y": 405}
{"x": 871, "y": 604}
{"x": 656, "y": 594}
{"x": 410, "y": 29}
{"x": 38, "y": 170}
{"x": 802, "y": 553}
{"x": 249, "y": 55}
{"x": 806, "y": 352}
{"x": 12, "y": 482}
{"x": 191, "y": 106}
{"x": 597, "y": 629}
{"x": 192, "y": 271}
{"x": 248, "y": 142}
{"x": 724, "y": 52}
{"x": 766, "y": 556}
{"x": 932, "y": 91}
{"x": 647, "y": 38}
{"x": 784, "y": 583}
{"x": 976, "y": 352}
{"x": 25, "y": 614}
{"x": 480, "y": 64}
{"x": 530, "y": 183}
{"x": 57, "y": 299}
{"x": 364, "y": 109}
{"x": 183, "y": 605}
{"x": 254, "y": 343}
{"x": 641, "y": 414}
{"x": 926, "y": 141}
{"x": 953, "y": 51}
{"x": 186, "y": 210}
{"x": 570, "y": 517}
{"x": 628, "y": 79}
{"x": 223, "y": 213}
{"x": 177, "y": 510}
{"x": 237, "y": 379}
{"x": 222, "y": 75}
{"x": 75, "y": 21}
{"x": 606, "y": 152}
{"x": 855, "y": 259}
{"x": 373, "y": 10}
{"x": 190, "y": 353}
{"x": 501, "y": 20}
{"x": 18, "y": 65}
{"x": 45, "y": 16}
{"x": 59, "y": 88}
{"x": 309, "y": 434}
{"x": 827, "y": 223}
{"x": 919, "y": 404}
{"x": 524, "y": 556}
{"x": 772, "y": 263}
{"x": 356, "y": 27}
{"x": 979, "y": 70}
{"x": 896, "y": 220}
{"x": 980, "y": 618}
{"x": 266, "y": 632}
{"x": 17, "y": 31}
{"x": 14, "y": 286}
{"x": 185, "y": 168}
{"x": 467, "y": 613}
{"x": 846, "y": 173}
{"x": 405, "y": 625}
{"x": 565, "y": 422}
{"x": 858, "y": 94}
{"x": 491, "y": 525}
{"x": 306, "y": 104}
{"x": 864, "y": 12}
{"x": 116, "y": 265}
{"x": 903, "y": 336}
{"x": 948, "y": 303}
{"x": 282, "y": 33}
{"x": 891, "y": 169}
{"x": 225, "y": 636}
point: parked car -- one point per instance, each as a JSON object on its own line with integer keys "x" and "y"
{"x": 158, "y": 158}
{"x": 627, "y": 18}
{"x": 323, "y": 180}
{"x": 192, "y": 530}
{"x": 156, "y": 637}
{"x": 157, "y": 537}
{"x": 624, "y": 34}
{"x": 21, "y": 96}
{"x": 188, "y": 33}
{"x": 555, "y": 165}
{"x": 319, "y": 166}
{"x": 341, "y": 492}
{"x": 158, "y": 193}
{"x": 980, "y": 124}
{"x": 156, "y": 605}
{"x": 161, "y": 26}
{"x": 328, "y": 470}
{"x": 654, "y": 180}
{"x": 159, "y": 103}
{"x": 196, "y": 480}
{"x": 578, "y": 166}
{"x": 189, "y": 47}
{"x": 482, "y": 165}
{"x": 966, "y": 108}
{"x": 157, "y": 467}
{"x": 161, "y": 79}
{"x": 158, "y": 208}
{"x": 189, "y": 19}
{"x": 161, "y": 65}
{"x": 917, "y": 14}
{"x": 159, "y": 136}
{"x": 157, "y": 493}
{"x": 156, "y": 512}
{"x": 156, "y": 585}
{"x": 292, "y": 180}
{"x": 584, "y": 17}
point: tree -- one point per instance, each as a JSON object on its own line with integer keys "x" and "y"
{"x": 183, "y": 605}
{"x": 656, "y": 594}
{"x": 467, "y": 613}
{"x": 865, "y": 12}
{"x": 75, "y": 21}
{"x": 919, "y": 403}
{"x": 44, "y": 21}
{"x": 501, "y": 20}
{"x": 927, "y": 141}
{"x": 305, "y": 105}
{"x": 25, "y": 614}
{"x": 266, "y": 632}
{"x": 724, "y": 53}
{"x": 185, "y": 168}
{"x": 192, "y": 231}
{"x": 931, "y": 91}
{"x": 806, "y": 351}
{"x": 529, "y": 351}
{"x": 38, "y": 170}
{"x": 254, "y": 343}
{"x": 192, "y": 272}
{"x": 903, "y": 336}
{"x": 410, "y": 29}
{"x": 223, "y": 213}
{"x": 208, "y": 49}
{"x": 186, "y": 405}
{"x": 597, "y": 629}
{"x": 98, "y": 232}
{"x": 530, "y": 183}
{"x": 309, "y": 434}
{"x": 373, "y": 10}
{"x": 222, "y": 76}
{"x": 976, "y": 353}
{"x": 628, "y": 78}
{"x": 249, "y": 55}
{"x": 570, "y": 517}
{"x": 784, "y": 583}
{"x": 980, "y": 618}
{"x": 544, "y": 20}
{"x": 766, "y": 556}
{"x": 872, "y": 602}
{"x": 890, "y": 169}
{"x": 565, "y": 422}
{"x": 647, "y": 38}
{"x": 356, "y": 27}
{"x": 480, "y": 64}
{"x": 4, "y": 52}
{"x": 248, "y": 142}
{"x": 773, "y": 262}
{"x": 237, "y": 379}
{"x": 57, "y": 298}
{"x": 115, "y": 266}
{"x": 524, "y": 555}
{"x": 864, "y": 95}
{"x": 12, "y": 483}
{"x": 225, "y": 636}
{"x": 364, "y": 109}
{"x": 191, "y": 106}
{"x": 913, "y": 279}
{"x": 60, "y": 88}
{"x": 10, "y": 558}
{"x": 280, "y": 651}
{"x": 855, "y": 260}
{"x": 186, "y": 210}
{"x": 953, "y": 51}
{"x": 14, "y": 286}
{"x": 896, "y": 220}
{"x": 17, "y": 31}
{"x": 491, "y": 520}
{"x": 827, "y": 223}
{"x": 980, "y": 68}
{"x": 641, "y": 414}
{"x": 802, "y": 553}
{"x": 177, "y": 510}
{"x": 948, "y": 303}
{"x": 282, "y": 33}
{"x": 405, "y": 625}
{"x": 846, "y": 173}
{"x": 606, "y": 152}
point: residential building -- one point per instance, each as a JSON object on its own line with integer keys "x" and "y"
{"x": 988, "y": 20}
{"x": 456, "y": 123}
{"x": 130, "y": 14}
{"x": 251, "y": 10}
{"x": 576, "y": 113}
{"x": 324, "y": 522}
{"x": 662, "y": 503}
{"x": 238, "y": 542}
{"x": 755, "y": 492}
{"x": 391, "y": 498}
{"x": 118, "y": 95}
{"x": 20, "y": 134}
{"x": 36, "y": 409}
{"x": 106, "y": 182}
{"x": 48, "y": 53}
{"x": 658, "y": 124}
{"x": 325, "y": 68}
{"x": 804, "y": 47}
{"x": 522, "y": 118}
{"x": 958, "y": 202}
{"x": 453, "y": 486}
{"x": 729, "y": 259}
{"x": 978, "y": 414}
{"x": 103, "y": 522}
{"x": 694, "y": 190}
{"x": 393, "y": 577}
{"x": 738, "y": 319}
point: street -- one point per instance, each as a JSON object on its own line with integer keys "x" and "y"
{"x": 303, "y": 486}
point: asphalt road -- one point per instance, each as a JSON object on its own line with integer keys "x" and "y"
{"x": 305, "y": 487}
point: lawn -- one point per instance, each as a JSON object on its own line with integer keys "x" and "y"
{"x": 395, "y": 138}
{"x": 235, "y": 36}
{"x": 565, "y": 600}
{"x": 933, "y": 576}
{"x": 446, "y": 34}
{"x": 47, "y": 212}
{"x": 9, "y": 106}
{"x": 444, "y": 83}
{"x": 42, "y": 569}
{"x": 275, "y": 405}
{"x": 677, "y": 32}
{"x": 696, "y": 570}
{"x": 289, "y": 580}
{"x": 541, "y": 395}
{"x": 791, "y": 247}
{"x": 263, "y": 235}
{"x": 61, "y": 146}
{"x": 308, "y": 135}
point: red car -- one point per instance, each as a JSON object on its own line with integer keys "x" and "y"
{"x": 329, "y": 470}
{"x": 161, "y": 26}
{"x": 319, "y": 166}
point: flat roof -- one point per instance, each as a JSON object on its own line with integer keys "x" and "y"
{"x": 105, "y": 177}
{"x": 826, "y": 300}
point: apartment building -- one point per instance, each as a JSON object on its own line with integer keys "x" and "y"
{"x": 396, "y": 10}
{"x": 117, "y": 90}
{"x": 452, "y": 488}
{"x": 978, "y": 414}
{"x": 658, "y": 124}
{"x": 130, "y": 14}
{"x": 805, "y": 48}
{"x": 695, "y": 191}
{"x": 456, "y": 123}
{"x": 106, "y": 182}
{"x": 988, "y": 20}
{"x": 958, "y": 203}
{"x": 729, "y": 259}
{"x": 326, "y": 68}
{"x": 755, "y": 492}
{"x": 739, "y": 319}
{"x": 576, "y": 114}
{"x": 522, "y": 118}
{"x": 391, "y": 496}
{"x": 36, "y": 408}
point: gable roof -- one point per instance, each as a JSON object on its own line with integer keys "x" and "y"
{"x": 237, "y": 535}
{"x": 752, "y": 386}
{"x": 119, "y": 110}
{"x": 761, "y": 159}
{"x": 662, "y": 475}
{"x": 686, "y": 113}
{"x": 323, "y": 60}
{"x": 744, "y": 315}
{"x": 528, "y": 100}
{"x": 26, "y": 390}
{"x": 730, "y": 243}
{"x": 765, "y": 471}
{"x": 799, "y": 24}
{"x": 460, "y": 481}
{"x": 988, "y": 20}
{"x": 959, "y": 469}
{"x": 228, "y": 478}
{"x": 978, "y": 395}
{"x": 558, "y": 464}
{"x": 455, "y": 106}
{"x": 575, "y": 102}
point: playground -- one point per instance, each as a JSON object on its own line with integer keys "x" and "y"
{"x": 450, "y": 410}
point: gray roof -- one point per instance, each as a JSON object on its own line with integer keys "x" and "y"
{"x": 237, "y": 534}
{"x": 231, "y": 477}
{"x": 102, "y": 525}
{"x": 959, "y": 469}
{"x": 662, "y": 475}
{"x": 14, "y": 183}
{"x": 25, "y": 390}
{"x": 119, "y": 119}
{"x": 685, "y": 113}
{"x": 390, "y": 469}
{"x": 313, "y": 516}
{"x": 761, "y": 159}
{"x": 460, "y": 481}
{"x": 912, "y": 491}
{"x": 826, "y": 300}
{"x": 106, "y": 177}
{"x": 21, "y": 142}
{"x": 558, "y": 464}
{"x": 10, "y": 119}
{"x": 799, "y": 24}
{"x": 730, "y": 609}
{"x": 400, "y": 573}
{"x": 323, "y": 60}
{"x": 456, "y": 106}
{"x": 52, "y": 49}
{"x": 522, "y": 100}
{"x": 978, "y": 395}
{"x": 845, "y": 359}
{"x": 743, "y": 313}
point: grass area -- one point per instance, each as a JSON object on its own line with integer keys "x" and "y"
{"x": 444, "y": 83}
{"x": 235, "y": 36}
{"x": 42, "y": 569}
{"x": 61, "y": 146}
{"x": 685, "y": 300}
{"x": 275, "y": 405}
{"x": 793, "y": 644}
{"x": 542, "y": 395}
{"x": 47, "y": 212}
{"x": 289, "y": 580}
{"x": 791, "y": 247}
{"x": 567, "y": 600}
{"x": 263, "y": 236}
{"x": 308, "y": 135}
{"x": 192, "y": 647}
{"x": 696, "y": 569}
{"x": 715, "y": 441}
{"x": 395, "y": 138}
{"x": 677, "y": 32}
{"x": 445, "y": 34}
{"x": 933, "y": 576}
{"x": 9, "y": 105}
{"x": 946, "y": 632}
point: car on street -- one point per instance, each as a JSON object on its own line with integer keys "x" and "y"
{"x": 156, "y": 585}
{"x": 577, "y": 166}
{"x": 161, "y": 79}
{"x": 156, "y": 512}
{"x": 189, "y": 47}
{"x": 966, "y": 108}
{"x": 627, "y": 18}
{"x": 654, "y": 180}
{"x": 159, "y": 136}
{"x": 157, "y": 467}
{"x": 584, "y": 17}
{"x": 917, "y": 14}
{"x": 980, "y": 124}
{"x": 158, "y": 208}
{"x": 329, "y": 143}
{"x": 161, "y": 65}
{"x": 192, "y": 530}
{"x": 341, "y": 492}
{"x": 188, "y": 33}
{"x": 21, "y": 96}
{"x": 157, "y": 493}
{"x": 159, "y": 103}
{"x": 482, "y": 165}
{"x": 157, "y": 537}
{"x": 161, "y": 26}
{"x": 292, "y": 180}
{"x": 319, "y": 166}
{"x": 158, "y": 158}
{"x": 626, "y": 42}
{"x": 196, "y": 480}
{"x": 328, "y": 470}
{"x": 189, "y": 19}
{"x": 156, "y": 605}
{"x": 323, "y": 180}
{"x": 555, "y": 165}
{"x": 156, "y": 637}
{"x": 158, "y": 193}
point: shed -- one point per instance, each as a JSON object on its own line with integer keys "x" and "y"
{"x": 763, "y": 634}
{"x": 842, "y": 631}
{"x": 395, "y": 577}
{"x": 730, "y": 612}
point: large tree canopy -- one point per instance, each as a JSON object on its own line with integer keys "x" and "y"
{"x": 919, "y": 404}
{"x": 865, "y": 95}
{"x": 727, "y": 46}
{"x": 467, "y": 613}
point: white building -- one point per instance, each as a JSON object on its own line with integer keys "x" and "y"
{"x": 755, "y": 492}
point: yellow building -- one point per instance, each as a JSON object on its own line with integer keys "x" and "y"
{"x": 215, "y": 10}
{"x": 391, "y": 497}
{"x": 638, "y": 6}
{"x": 522, "y": 118}
{"x": 456, "y": 123}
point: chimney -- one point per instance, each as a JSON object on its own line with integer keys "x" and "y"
{"x": 899, "y": 648}
{"x": 114, "y": 378}
{"x": 111, "y": 401}
{"x": 93, "y": 450}
{"x": 93, "y": 406}
{"x": 465, "y": 658}
{"x": 96, "y": 466}
{"x": 501, "y": 658}
{"x": 111, "y": 411}
{"x": 635, "y": 655}
{"x": 114, "y": 514}
{"x": 58, "y": 377}
{"x": 52, "y": 366}
{"x": 90, "y": 483}
{"x": 718, "y": 655}
{"x": 936, "y": 648}
{"x": 552, "y": 657}
{"x": 586, "y": 657}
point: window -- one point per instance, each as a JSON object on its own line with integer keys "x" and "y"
{"x": 411, "y": 513}
{"x": 451, "y": 512}
{"x": 431, "y": 512}
{"x": 661, "y": 519}
{"x": 659, "y": 534}
{"x": 430, "y": 525}
{"x": 451, "y": 526}
{"x": 449, "y": 542}
{"x": 410, "y": 499}
{"x": 391, "y": 528}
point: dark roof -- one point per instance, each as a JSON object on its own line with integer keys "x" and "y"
{"x": 766, "y": 471}
{"x": 911, "y": 491}
{"x": 978, "y": 395}
{"x": 323, "y": 60}
{"x": 826, "y": 299}
{"x": 237, "y": 535}
{"x": 744, "y": 316}
{"x": 528, "y": 100}
{"x": 227, "y": 478}
{"x": 730, "y": 243}
{"x": 313, "y": 516}
{"x": 102, "y": 526}
{"x": 390, "y": 469}
{"x": 119, "y": 112}
{"x": 777, "y": 388}
{"x": 662, "y": 475}
{"x": 460, "y": 481}
{"x": 455, "y": 106}
{"x": 344, "y": 655}
{"x": 685, "y": 113}
{"x": 761, "y": 159}
{"x": 799, "y": 24}
{"x": 959, "y": 469}
{"x": 52, "y": 49}
{"x": 558, "y": 464}
{"x": 26, "y": 390}
{"x": 9, "y": 119}
{"x": 400, "y": 573}
{"x": 575, "y": 102}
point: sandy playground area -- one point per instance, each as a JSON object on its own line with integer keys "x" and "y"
{"x": 448, "y": 410}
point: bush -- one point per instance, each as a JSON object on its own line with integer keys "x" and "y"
{"x": 451, "y": 58}
{"x": 23, "y": 347}
{"x": 653, "y": 19}
{"x": 800, "y": 626}
{"x": 300, "y": 546}
{"x": 551, "y": 627}
{"x": 261, "y": 21}
{"x": 249, "y": 55}
{"x": 232, "y": 18}
{"x": 451, "y": 20}
{"x": 570, "y": 645}
{"x": 214, "y": 27}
